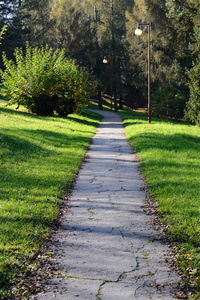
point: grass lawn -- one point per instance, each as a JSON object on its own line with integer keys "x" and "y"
{"x": 39, "y": 159}
{"x": 169, "y": 153}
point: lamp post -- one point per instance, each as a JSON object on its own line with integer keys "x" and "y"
{"x": 138, "y": 32}
{"x": 105, "y": 61}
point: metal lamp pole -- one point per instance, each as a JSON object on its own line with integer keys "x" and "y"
{"x": 105, "y": 61}
{"x": 138, "y": 32}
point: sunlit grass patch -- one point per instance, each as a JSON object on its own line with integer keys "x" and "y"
{"x": 39, "y": 159}
{"x": 170, "y": 161}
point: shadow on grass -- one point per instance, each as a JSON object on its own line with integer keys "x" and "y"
{"x": 28, "y": 142}
{"x": 57, "y": 139}
{"x": 88, "y": 114}
{"x": 177, "y": 142}
{"x": 37, "y": 166}
{"x": 10, "y": 111}
{"x": 170, "y": 162}
{"x": 29, "y": 159}
{"x": 26, "y": 154}
{"x": 137, "y": 118}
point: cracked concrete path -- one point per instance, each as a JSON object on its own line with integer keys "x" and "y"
{"x": 109, "y": 250}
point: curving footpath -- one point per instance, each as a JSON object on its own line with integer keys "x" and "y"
{"x": 109, "y": 250}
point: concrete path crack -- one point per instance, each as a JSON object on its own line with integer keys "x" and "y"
{"x": 106, "y": 246}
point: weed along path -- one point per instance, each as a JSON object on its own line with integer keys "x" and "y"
{"x": 108, "y": 249}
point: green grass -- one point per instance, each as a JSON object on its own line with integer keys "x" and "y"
{"x": 169, "y": 154}
{"x": 106, "y": 104}
{"x": 39, "y": 159}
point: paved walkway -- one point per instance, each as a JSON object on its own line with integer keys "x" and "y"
{"x": 109, "y": 249}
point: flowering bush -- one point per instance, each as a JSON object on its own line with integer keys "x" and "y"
{"x": 44, "y": 81}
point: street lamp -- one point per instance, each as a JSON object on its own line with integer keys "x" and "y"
{"x": 105, "y": 61}
{"x": 138, "y": 32}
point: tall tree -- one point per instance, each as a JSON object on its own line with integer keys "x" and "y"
{"x": 26, "y": 20}
{"x": 11, "y": 16}
{"x": 91, "y": 30}
{"x": 172, "y": 37}
{"x": 37, "y": 20}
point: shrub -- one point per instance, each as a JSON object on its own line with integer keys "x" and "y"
{"x": 73, "y": 89}
{"x": 134, "y": 98}
{"x": 169, "y": 102}
{"x": 192, "y": 112}
{"x": 44, "y": 81}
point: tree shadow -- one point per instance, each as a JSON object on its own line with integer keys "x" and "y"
{"x": 90, "y": 116}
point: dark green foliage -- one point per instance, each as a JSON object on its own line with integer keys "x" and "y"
{"x": 193, "y": 105}
{"x": 174, "y": 46}
{"x": 134, "y": 98}
{"x": 169, "y": 102}
{"x": 11, "y": 15}
{"x": 2, "y": 32}
{"x": 43, "y": 105}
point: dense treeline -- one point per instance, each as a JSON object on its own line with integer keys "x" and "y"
{"x": 89, "y": 30}
{"x": 175, "y": 48}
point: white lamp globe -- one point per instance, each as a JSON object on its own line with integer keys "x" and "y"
{"x": 138, "y": 31}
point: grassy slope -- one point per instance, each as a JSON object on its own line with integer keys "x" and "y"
{"x": 169, "y": 153}
{"x": 170, "y": 162}
{"x": 39, "y": 159}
